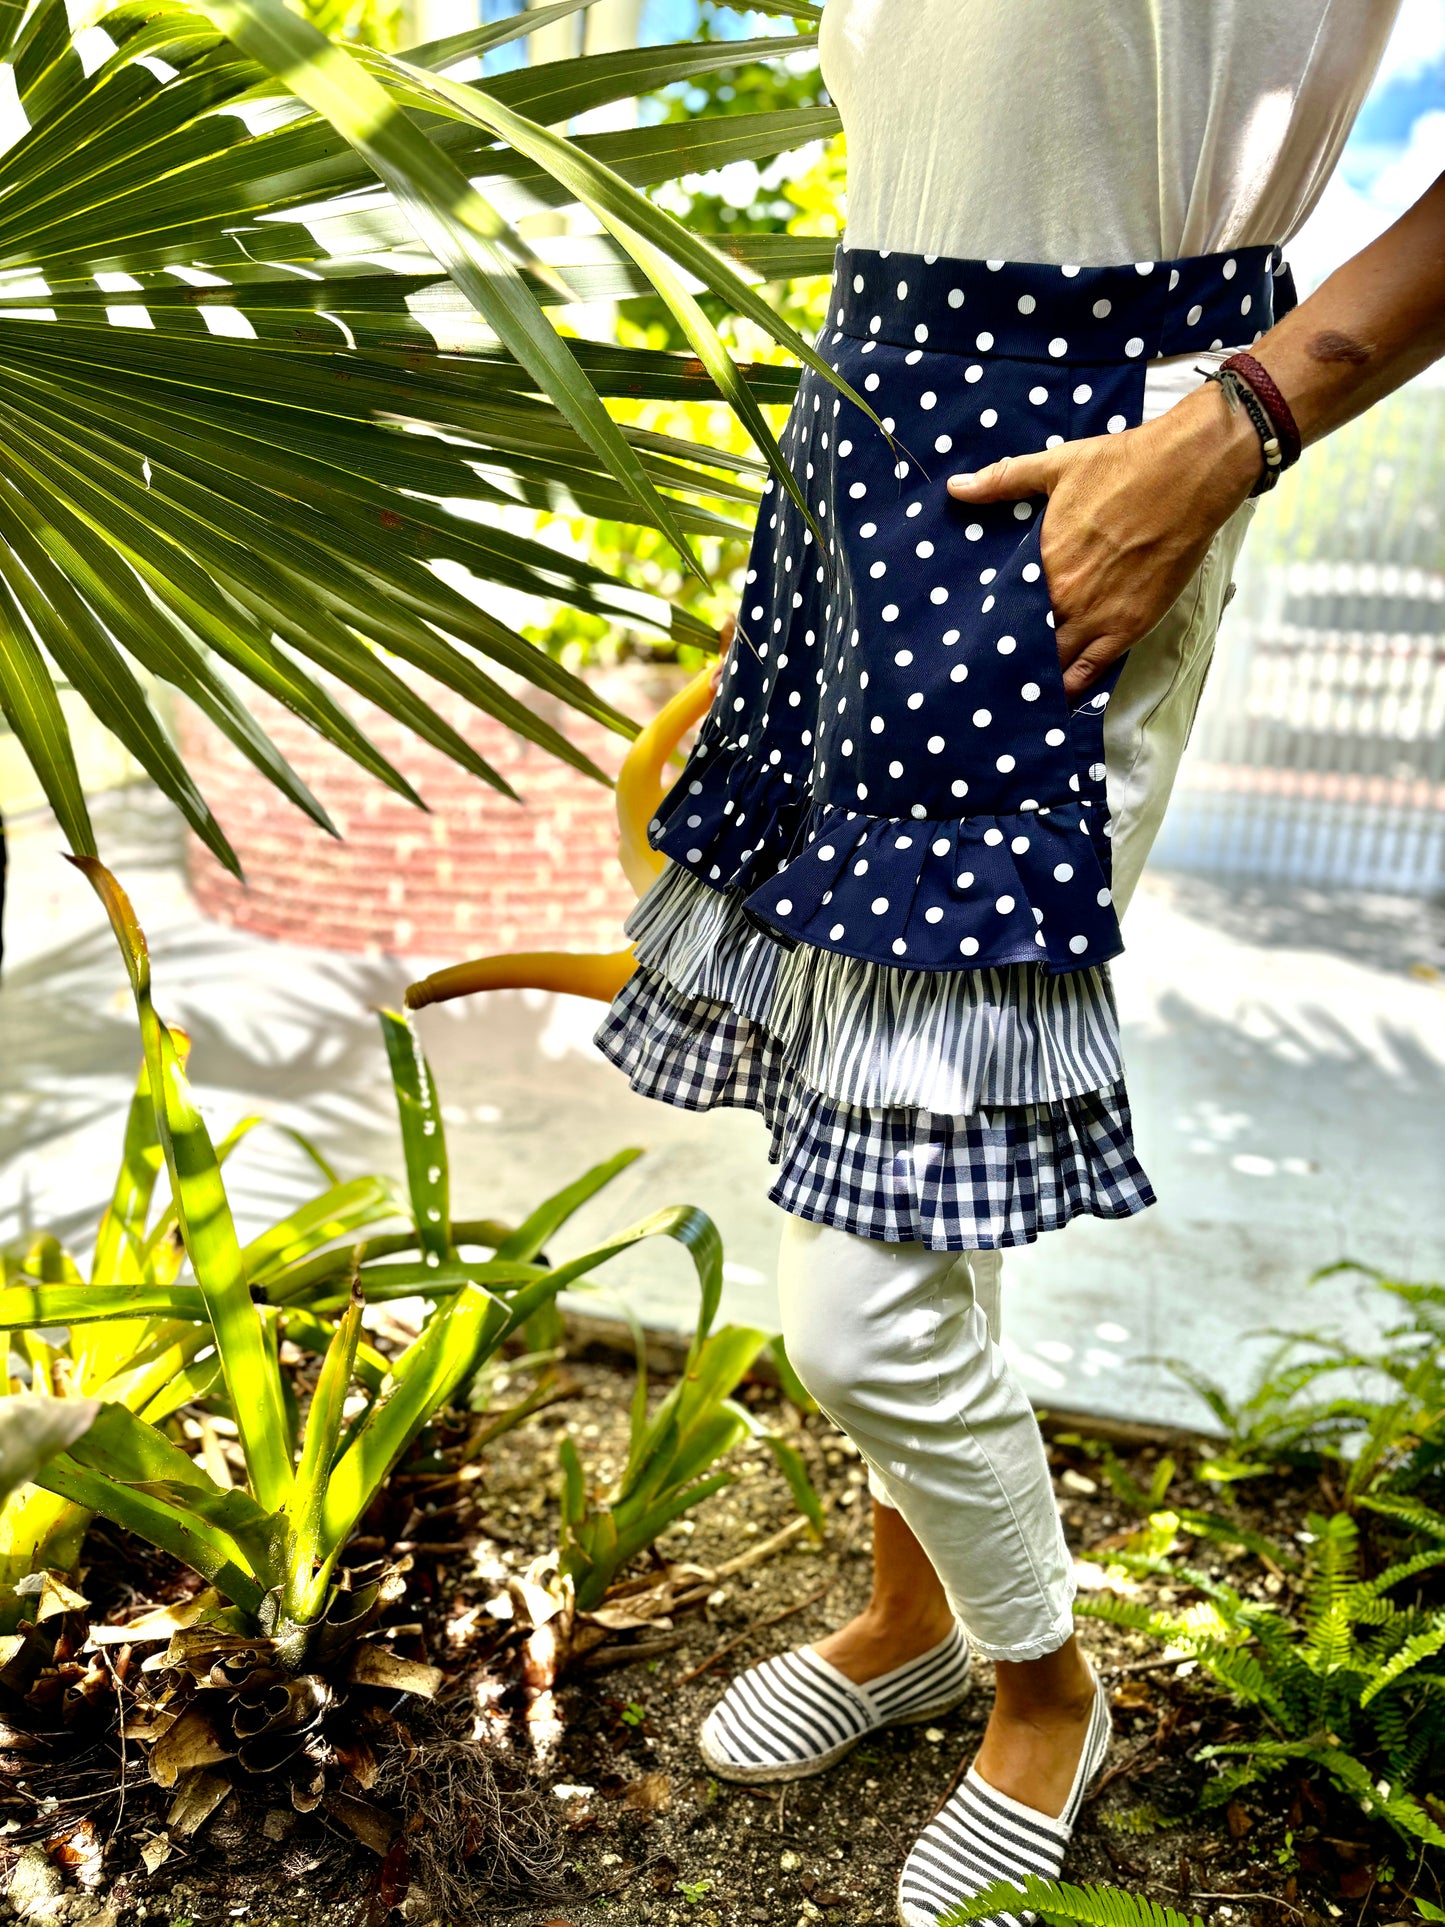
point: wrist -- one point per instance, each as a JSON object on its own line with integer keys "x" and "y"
{"x": 1219, "y": 443}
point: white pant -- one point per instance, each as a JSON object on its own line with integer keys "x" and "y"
{"x": 900, "y": 1345}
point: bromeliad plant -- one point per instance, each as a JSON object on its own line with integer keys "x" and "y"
{"x": 671, "y": 1454}
{"x": 151, "y": 1364}
{"x": 258, "y": 1661}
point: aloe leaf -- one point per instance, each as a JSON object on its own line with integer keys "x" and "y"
{"x": 252, "y": 1377}
{"x": 791, "y": 1463}
{"x": 303, "y": 1590}
{"x": 345, "y": 1207}
{"x": 791, "y": 1386}
{"x": 527, "y": 1241}
{"x": 122, "y": 1229}
{"x": 423, "y": 1138}
{"x": 35, "y": 1307}
{"x": 574, "y": 1487}
{"x": 196, "y": 1542}
{"x": 185, "y": 1387}
{"x": 385, "y": 1282}
{"x": 448, "y": 1351}
{"x": 370, "y": 1367}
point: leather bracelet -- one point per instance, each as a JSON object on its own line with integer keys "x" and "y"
{"x": 1275, "y": 406}
{"x": 1237, "y": 392}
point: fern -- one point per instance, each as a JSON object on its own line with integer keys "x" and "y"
{"x": 1142, "y": 1819}
{"x": 1239, "y": 1672}
{"x": 1060, "y": 1903}
{"x": 1409, "y": 1568}
{"x": 1329, "y": 1621}
{"x": 1404, "y": 1814}
{"x": 1423, "y": 1646}
{"x": 1347, "y": 1674}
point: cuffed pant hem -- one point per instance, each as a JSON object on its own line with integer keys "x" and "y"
{"x": 1039, "y": 1648}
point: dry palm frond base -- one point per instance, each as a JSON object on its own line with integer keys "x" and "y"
{"x": 552, "y": 1776}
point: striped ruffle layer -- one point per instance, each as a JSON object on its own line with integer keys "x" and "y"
{"x": 959, "y": 1110}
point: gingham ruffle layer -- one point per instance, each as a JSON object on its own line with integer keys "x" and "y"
{"x": 995, "y": 1173}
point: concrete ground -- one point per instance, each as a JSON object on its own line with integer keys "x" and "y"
{"x": 1287, "y": 1065}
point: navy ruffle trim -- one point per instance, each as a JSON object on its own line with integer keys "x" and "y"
{"x": 960, "y": 893}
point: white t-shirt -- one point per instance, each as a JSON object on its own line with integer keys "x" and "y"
{"x": 1094, "y": 131}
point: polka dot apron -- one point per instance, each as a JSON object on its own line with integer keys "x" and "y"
{"x": 887, "y": 919}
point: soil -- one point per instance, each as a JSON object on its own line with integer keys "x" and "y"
{"x": 600, "y": 1776}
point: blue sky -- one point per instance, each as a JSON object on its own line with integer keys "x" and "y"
{"x": 1395, "y": 150}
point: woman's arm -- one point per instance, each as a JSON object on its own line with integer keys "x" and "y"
{"x": 1130, "y": 516}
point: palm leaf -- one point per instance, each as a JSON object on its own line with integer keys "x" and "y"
{"x": 263, "y": 324}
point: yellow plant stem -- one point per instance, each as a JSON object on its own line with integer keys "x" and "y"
{"x": 640, "y": 783}
{"x": 580, "y": 975}
{"x": 640, "y": 789}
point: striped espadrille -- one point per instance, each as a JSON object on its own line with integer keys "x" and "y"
{"x": 795, "y": 1715}
{"x": 980, "y": 1835}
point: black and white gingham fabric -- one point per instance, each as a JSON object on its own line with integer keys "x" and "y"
{"x": 693, "y": 1052}
{"x": 993, "y": 1179}
{"x": 795, "y": 1715}
{"x": 980, "y": 1836}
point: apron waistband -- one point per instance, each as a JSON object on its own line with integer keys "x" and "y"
{"x": 1035, "y": 311}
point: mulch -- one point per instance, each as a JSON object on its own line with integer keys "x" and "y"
{"x": 599, "y": 1765}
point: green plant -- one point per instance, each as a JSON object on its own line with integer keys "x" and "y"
{"x": 1350, "y": 1681}
{"x": 156, "y": 1362}
{"x": 229, "y": 440}
{"x": 1388, "y": 1448}
{"x": 1162, "y": 1522}
{"x": 671, "y": 1453}
{"x": 270, "y": 1552}
{"x": 1059, "y": 1903}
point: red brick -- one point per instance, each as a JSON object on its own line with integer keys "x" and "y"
{"x": 478, "y": 872}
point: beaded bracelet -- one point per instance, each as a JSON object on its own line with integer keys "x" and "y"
{"x": 1242, "y": 379}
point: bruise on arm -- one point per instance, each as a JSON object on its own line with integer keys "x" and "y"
{"x": 1332, "y": 344}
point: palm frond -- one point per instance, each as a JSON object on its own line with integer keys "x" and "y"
{"x": 272, "y": 349}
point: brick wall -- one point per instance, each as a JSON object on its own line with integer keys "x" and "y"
{"x": 478, "y": 874}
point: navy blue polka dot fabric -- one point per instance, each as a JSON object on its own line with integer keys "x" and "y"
{"x": 891, "y": 770}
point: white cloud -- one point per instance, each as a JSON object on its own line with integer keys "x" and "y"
{"x": 1416, "y": 42}
{"x": 1348, "y": 218}
{"x": 1402, "y": 181}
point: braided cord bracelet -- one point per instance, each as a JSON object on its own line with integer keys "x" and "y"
{"x": 1247, "y": 384}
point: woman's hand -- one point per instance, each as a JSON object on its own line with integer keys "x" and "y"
{"x": 1128, "y": 520}
{"x": 1130, "y": 515}
{"x": 725, "y": 642}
